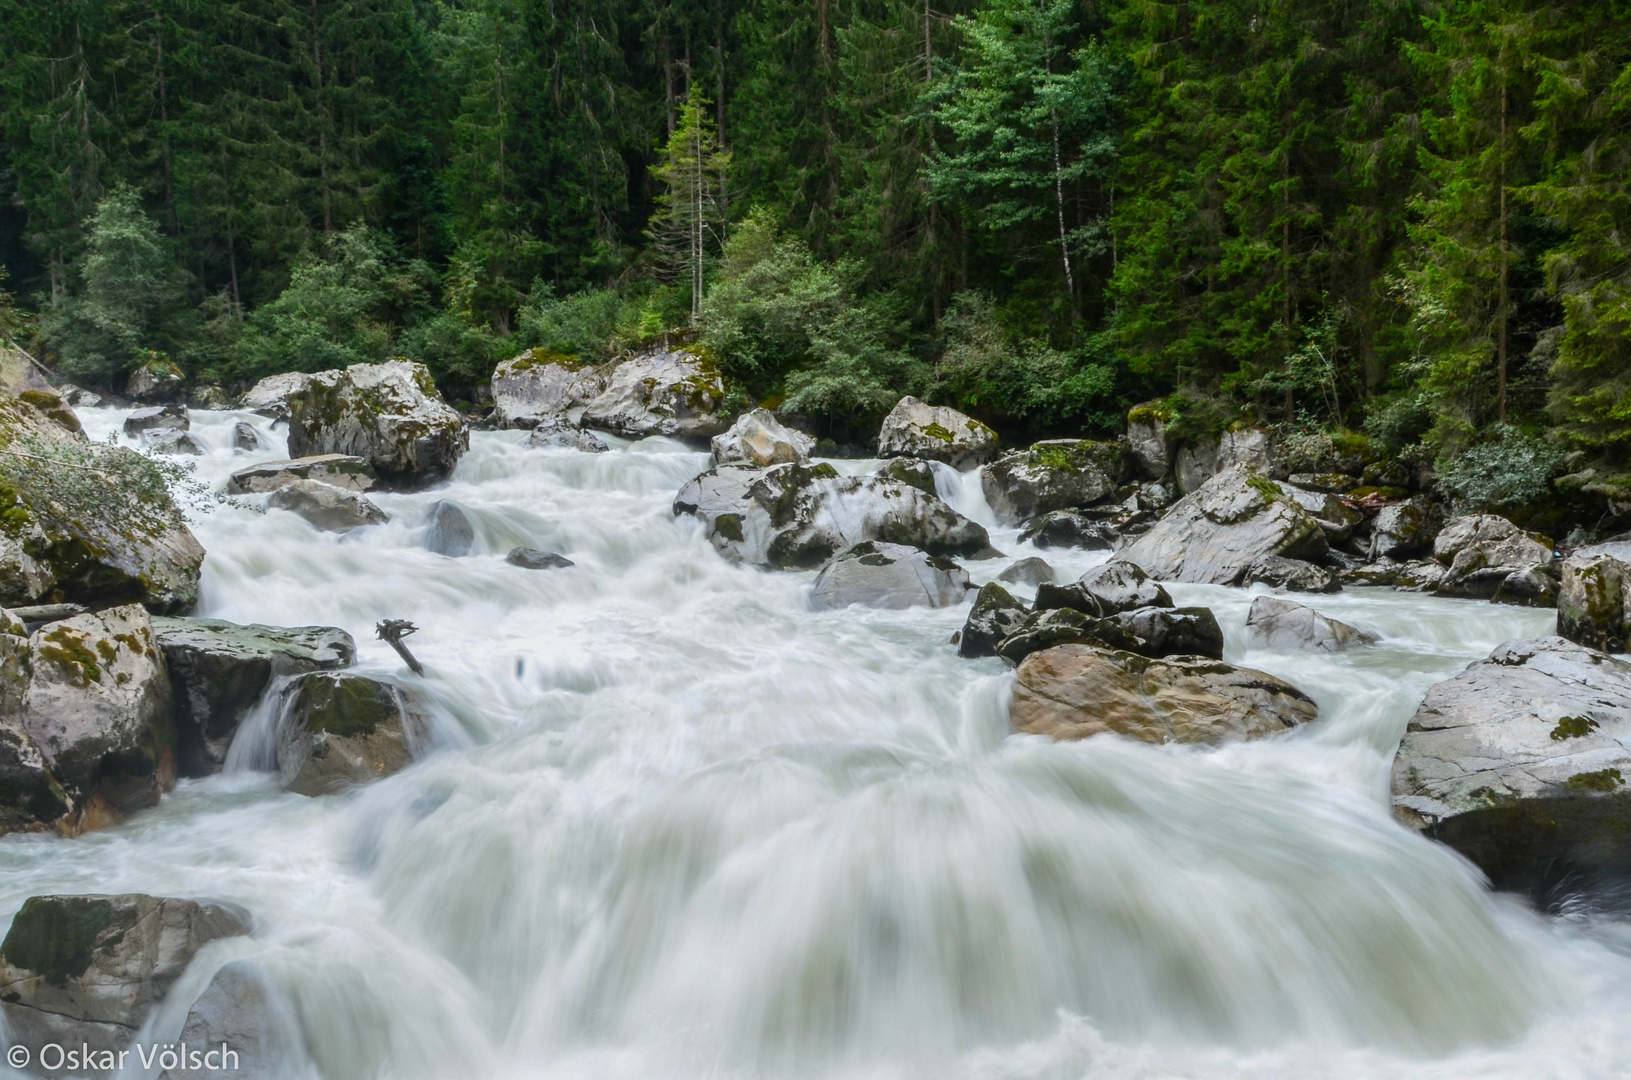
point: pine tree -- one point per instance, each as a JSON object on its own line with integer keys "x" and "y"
{"x": 689, "y": 223}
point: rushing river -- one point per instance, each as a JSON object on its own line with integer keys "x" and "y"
{"x": 676, "y": 825}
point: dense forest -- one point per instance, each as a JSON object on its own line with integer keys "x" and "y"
{"x": 1405, "y": 221}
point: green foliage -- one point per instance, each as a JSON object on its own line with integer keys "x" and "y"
{"x": 1509, "y": 467}
{"x": 688, "y": 224}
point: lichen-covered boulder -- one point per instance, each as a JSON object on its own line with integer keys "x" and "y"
{"x": 1481, "y": 567}
{"x": 1521, "y": 762}
{"x": 1031, "y": 571}
{"x": 448, "y": 530}
{"x": 388, "y": 414}
{"x": 1334, "y": 516}
{"x": 98, "y": 706}
{"x": 1407, "y": 528}
{"x": 1148, "y": 440}
{"x": 340, "y": 730}
{"x": 1273, "y": 623}
{"x": 935, "y": 433}
{"x": 880, "y": 575}
{"x": 1216, "y": 533}
{"x": 914, "y": 472}
{"x": 156, "y": 380}
{"x": 800, "y": 516}
{"x": 1076, "y": 691}
{"x": 759, "y": 439}
{"x": 994, "y": 616}
{"x": 1293, "y": 575}
{"x": 538, "y": 385}
{"x": 1199, "y": 462}
{"x": 326, "y": 507}
{"x": 661, "y": 392}
{"x": 559, "y": 432}
{"x": 1533, "y": 586}
{"x": 271, "y": 396}
{"x": 1468, "y": 530}
{"x": 219, "y": 671}
{"x": 1056, "y": 474}
{"x": 337, "y": 470}
{"x": 87, "y": 970}
{"x": 155, "y": 417}
{"x": 1065, "y": 529}
{"x": 30, "y": 797}
{"x": 1593, "y": 603}
{"x": 54, "y": 408}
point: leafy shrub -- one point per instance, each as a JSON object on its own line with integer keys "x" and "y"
{"x": 1401, "y": 421}
{"x": 1510, "y": 467}
{"x": 1303, "y": 449}
{"x": 585, "y": 324}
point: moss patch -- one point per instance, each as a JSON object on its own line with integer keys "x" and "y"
{"x": 729, "y": 526}
{"x": 1264, "y": 486}
{"x": 55, "y": 936}
{"x": 345, "y": 705}
{"x": 69, "y": 650}
{"x": 935, "y": 431}
{"x": 1600, "y": 782}
{"x": 1574, "y": 727}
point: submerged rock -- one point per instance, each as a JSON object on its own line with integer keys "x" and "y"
{"x": 98, "y": 707}
{"x": 93, "y": 522}
{"x": 338, "y": 470}
{"x": 89, "y": 969}
{"x": 1273, "y": 623}
{"x": 238, "y": 1012}
{"x": 388, "y": 414}
{"x": 1029, "y": 571}
{"x": 1593, "y": 603}
{"x": 1520, "y": 763}
{"x": 538, "y": 385}
{"x": 1056, "y": 474}
{"x": 661, "y": 391}
{"x": 171, "y": 441}
{"x": 448, "y": 531}
{"x": 560, "y": 432}
{"x": 759, "y": 439}
{"x": 326, "y": 507}
{"x": 994, "y": 616}
{"x": 340, "y": 730}
{"x": 1063, "y": 529}
{"x": 883, "y": 575}
{"x": 1215, "y": 534}
{"x": 1077, "y": 691}
{"x": 533, "y": 559}
{"x": 799, "y": 516}
{"x": 935, "y": 433}
{"x": 245, "y": 437}
{"x": 219, "y": 671}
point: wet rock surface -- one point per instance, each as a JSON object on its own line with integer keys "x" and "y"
{"x": 388, "y": 414}
{"x": 1057, "y": 474}
{"x": 339, "y": 731}
{"x": 994, "y": 616}
{"x": 882, "y": 575}
{"x": 757, "y": 438}
{"x": 339, "y": 470}
{"x": 1273, "y": 623}
{"x": 326, "y": 507}
{"x": 660, "y": 392}
{"x": 563, "y": 434}
{"x": 537, "y": 386}
{"x": 534, "y": 559}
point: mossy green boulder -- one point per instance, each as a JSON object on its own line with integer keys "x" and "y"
{"x": 340, "y": 730}
{"x": 935, "y": 433}
{"x": 388, "y": 414}
{"x": 1056, "y": 474}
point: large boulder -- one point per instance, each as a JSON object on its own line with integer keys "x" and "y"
{"x": 1217, "y": 532}
{"x": 1198, "y": 463}
{"x": 1065, "y": 529}
{"x": 1076, "y": 691}
{"x": 1119, "y": 585}
{"x": 271, "y": 396}
{"x": 1593, "y": 603}
{"x": 559, "y": 432}
{"x": 1273, "y": 623}
{"x": 339, "y": 730}
{"x": 85, "y": 971}
{"x": 759, "y": 439}
{"x": 1336, "y": 517}
{"x": 326, "y": 507}
{"x": 661, "y": 392}
{"x": 994, "y": 616}
{"x": 156, "y": 380}
{"x": 338, "y": 470}
{"x": 220, "y": 670}
{"x": 912, "y": 471}
{"x": 388, "y": 414}
{"x": 157, "y": 417}
{"x": 1480, "y": 569}
{"x": 1056, "y": 474}
{"x": 245, "y": 437}
{"x": 1407, "y": 528}
{"x": 539, "y": 385}
{"x": 800, "y": 516}
{"x": 54, "y": 408}
{"x": 881, "y": 575}
{"x": 935, "y": 433}
{"x": 1148, "y": 440}
{"x": 30, "y": 797}
{"x": 1520, "y": 763}
{"x": 98, "y": 706}
{"x": 21, "y": 373}
{"x": 94, "y": 522}
{"x": 1293, "y": 575}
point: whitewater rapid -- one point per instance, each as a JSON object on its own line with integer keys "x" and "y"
{"x": 676, "y": 825}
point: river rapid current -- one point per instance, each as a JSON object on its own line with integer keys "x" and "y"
{"x": 676, "y": 825}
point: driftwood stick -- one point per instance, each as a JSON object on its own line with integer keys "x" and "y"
{"x": 392, "y": 631}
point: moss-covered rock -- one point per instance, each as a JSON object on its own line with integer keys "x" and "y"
{"x": 93, "y": 523}
{"x": 340, "y": 730}
{"x": 1592, "y": 602}
{"x": 388, "y": 414}
{"x": 1513, "y": 763}
{"x": 676, "y": 392}
{"x": 935, "y": 433}
{"x": 1148, "y": 440}
{"x": 158, "y": 379}
{"x": 539, "y": 385}
{"x": 1056, "y": 474}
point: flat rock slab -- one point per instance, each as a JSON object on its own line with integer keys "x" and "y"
{"x": 1521, "y": 763}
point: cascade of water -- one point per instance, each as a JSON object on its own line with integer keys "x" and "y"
{"x": 676, "y": 824}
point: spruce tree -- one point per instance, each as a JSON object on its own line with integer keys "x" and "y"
{"x": 689, "y": 224}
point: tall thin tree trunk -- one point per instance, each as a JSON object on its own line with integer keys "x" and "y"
{"x": 1501, "y": 312}
{"x": 164, "y": 121}
{"x": 1059, "y": 204}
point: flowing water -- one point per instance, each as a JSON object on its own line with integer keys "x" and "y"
{"x": 674, "y": 824}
